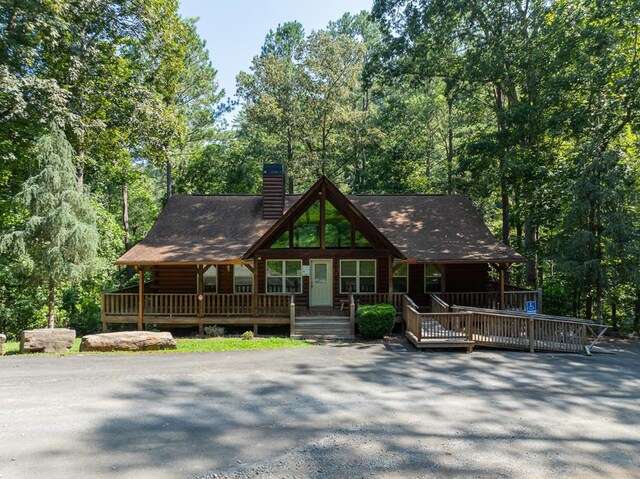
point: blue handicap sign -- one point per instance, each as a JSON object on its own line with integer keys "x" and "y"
{"x": 531, "y": 307}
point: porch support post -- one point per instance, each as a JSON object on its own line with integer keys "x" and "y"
{"x": 390, "y": 280}
{"x": 443, "y": 278}
{"x": 200, "y": 294}
{"x": 254, "y": 289}
{"x": 502, "y": 273}
{"x": 292, "y": 316}
{"x": 103, "y": 305}
{"x": 140, "y": 298}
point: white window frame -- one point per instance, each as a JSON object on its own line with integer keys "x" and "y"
{"x": 424, "y": 275}
{"x": 215, "y": 268}
{"x": 284, "y": 276}
{"x": 398, "y": 276}
{"x": 358, "y": 276}
{"x": 242, "y": 275}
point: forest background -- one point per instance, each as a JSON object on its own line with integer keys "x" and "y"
{"x": 530, "y": 108}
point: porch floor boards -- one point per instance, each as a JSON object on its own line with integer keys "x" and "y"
{"x": 190, "y": 320}
{"x": 439, "y": 343}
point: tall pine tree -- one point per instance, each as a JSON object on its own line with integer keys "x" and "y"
{"x": 57, "y": 243}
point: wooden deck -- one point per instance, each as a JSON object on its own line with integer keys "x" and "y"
{"x": 195, "y": 310}
{"x": 461, "y": 326}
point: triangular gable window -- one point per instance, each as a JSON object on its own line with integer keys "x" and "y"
{"x": 282, "y": 241}
{"x": 305, "y": 232}
{"x": 361, "y": 241}
{"x": 337, "y": 229}
{"x": 306, "y": 229}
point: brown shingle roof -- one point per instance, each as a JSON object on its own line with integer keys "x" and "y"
{"x": 438, "y": 228}
{"x": 206, "y": 229}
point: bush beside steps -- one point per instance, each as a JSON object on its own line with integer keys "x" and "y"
{"x": 376, "y": 320}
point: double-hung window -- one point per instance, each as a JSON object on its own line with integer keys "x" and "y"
{"x": 284, "y": 276}
{"x": 432, "y": 279}
{"x": 358, "y": 276}
{"x": 210, "y": 279}
{"x": 242, "y": 279}
{"x": 401, "y": 278}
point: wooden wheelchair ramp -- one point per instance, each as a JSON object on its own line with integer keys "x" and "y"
{"x": 462, "y": 326}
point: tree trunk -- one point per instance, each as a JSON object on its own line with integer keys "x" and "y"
{"x": 636, "y": 310}
{"x": 449, "y": 147}
{"x": 125, "y": 216}
{"x": 289, "y": 147}
{"x": 614, "y": 316}
{"x": 51, "y": 306}
{"x": 169, "y": 181}
{"x": 589, "y": 307}
{"x": 530, "y": 249}
{"x": 599, "y": 299}
{"x": 80, "y": 154}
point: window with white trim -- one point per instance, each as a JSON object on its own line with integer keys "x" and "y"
{"x": 358, "y": 276}
{"x": 210, "y": 279}
{"x": 242, "y": 279}
{"x": 401, "y": 278}
{"x": 432, "y": 279}
{"x": 284, "y": 276}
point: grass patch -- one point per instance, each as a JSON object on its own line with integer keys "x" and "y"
{"x": 236, "y": 344}
{"x": 191, "y": 346}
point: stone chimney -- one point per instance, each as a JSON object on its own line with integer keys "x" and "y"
{"x": 273, "y": 190}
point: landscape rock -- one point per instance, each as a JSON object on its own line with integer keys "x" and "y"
{"x": 56, "y": 340}
{"x": 3, "y": 339}
{"x": 128, "y": 341}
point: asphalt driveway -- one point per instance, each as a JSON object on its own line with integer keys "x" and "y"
{"x": 361, "y": 410}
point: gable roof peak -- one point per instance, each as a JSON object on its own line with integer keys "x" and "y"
{"x": 325, "y": 187}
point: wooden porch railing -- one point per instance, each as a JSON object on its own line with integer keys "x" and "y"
{"x": 119, "y": 304}
{"x": 514, "y": 300}
{"x": 188, "y": 305}
{"x": 437, "y": 326}
{"x": 352, "y": 313}
{"x": 517, "y": 300}
{"x": 274, "y": 304}
{"x": 376, "y": 298}
{"x": 438, "y": 305}
{"x": 292, "y": 315}
{"x": 537, "y": 332}
{"x": 503, "y": 329}
{"x": 480, "y": 299}
{"x": 239, "y": 304}
{"x": 170, "y": 304}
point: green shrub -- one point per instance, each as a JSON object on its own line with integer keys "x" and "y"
{"x": 248, "y": 335}
{"x": 214, "y": 331}
{"x": 376, "y": 320}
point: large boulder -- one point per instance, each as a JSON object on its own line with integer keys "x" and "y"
{"x": 56, "y": 340}
{"x": 3, "y": 339}
{"x": 128, "y": 341}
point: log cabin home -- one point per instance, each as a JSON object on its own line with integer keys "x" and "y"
{"x": 308, "y": 261}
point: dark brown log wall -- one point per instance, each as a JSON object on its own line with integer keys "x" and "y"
{"x": 467, "y": 277}
{"x": 174, "y": 279}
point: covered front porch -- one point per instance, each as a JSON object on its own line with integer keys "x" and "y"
{"x": 170, "y": 296}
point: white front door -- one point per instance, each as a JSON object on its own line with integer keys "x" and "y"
{"x": 321, "y": 283}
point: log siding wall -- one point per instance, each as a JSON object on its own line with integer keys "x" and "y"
{"x": 456, "y": 277}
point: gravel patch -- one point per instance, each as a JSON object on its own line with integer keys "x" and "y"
{"x": 353, "y": 410}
